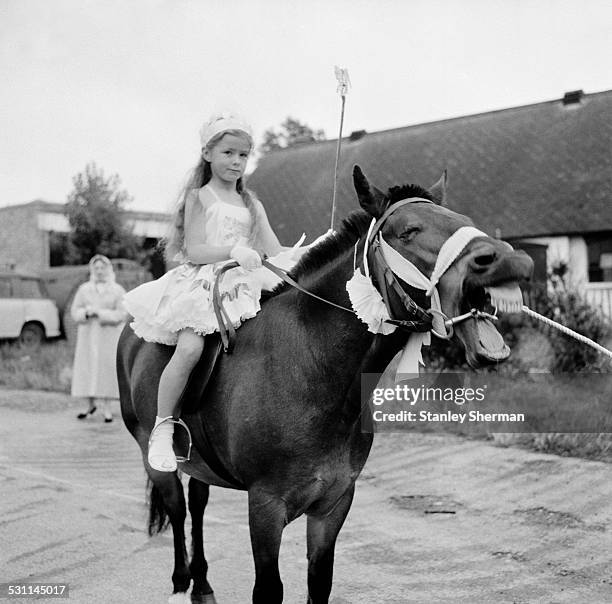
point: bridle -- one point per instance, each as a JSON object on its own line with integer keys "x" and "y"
{"x": 418, "y": 318}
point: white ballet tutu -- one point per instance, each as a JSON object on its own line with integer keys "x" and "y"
{"x": 182, "y": 298}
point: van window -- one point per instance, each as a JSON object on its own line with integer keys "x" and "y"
{"x": 26, "y": 288}
{"x": 5, "y": 288}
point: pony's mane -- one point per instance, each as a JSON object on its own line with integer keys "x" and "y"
{"x": 406, "y": 191}
{"x": 353, "y": 227}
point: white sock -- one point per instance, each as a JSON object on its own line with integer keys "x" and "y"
{"x": 166, "y": 429}
{"x": 161, "y": 455}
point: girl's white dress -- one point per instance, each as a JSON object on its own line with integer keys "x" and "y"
{"x": 183, "y": 296}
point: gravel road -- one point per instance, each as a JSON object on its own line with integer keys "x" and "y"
{"x": 435, "y": 519}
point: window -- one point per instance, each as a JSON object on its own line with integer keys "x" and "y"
{"x": 5, "y": 288}
{"x": 605, "y": 264}
{"x": 599, "y": 248}
{"x": 26, "y": 288}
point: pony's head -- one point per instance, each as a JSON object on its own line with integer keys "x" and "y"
{"x": 484, "y": 269}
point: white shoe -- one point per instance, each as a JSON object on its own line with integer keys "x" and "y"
{"x": 161, "y": 455}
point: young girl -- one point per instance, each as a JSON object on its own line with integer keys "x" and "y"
{"x": 217, "y": 220}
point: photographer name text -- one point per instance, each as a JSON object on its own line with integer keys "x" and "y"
{"x": 445, "y": 416}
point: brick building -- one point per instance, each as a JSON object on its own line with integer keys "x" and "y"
{"x": 26, "y": 231}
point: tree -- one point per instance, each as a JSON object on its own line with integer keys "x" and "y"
{"x": 95, "y": 211}
{"x": 292, "y": 132}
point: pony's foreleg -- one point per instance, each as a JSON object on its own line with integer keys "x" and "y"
{"x": 202, "y": 592}
{"x": 267, "y": 519}
{"x": 321, "y": 538}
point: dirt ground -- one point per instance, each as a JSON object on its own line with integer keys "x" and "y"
{"x": 436, "y": 518}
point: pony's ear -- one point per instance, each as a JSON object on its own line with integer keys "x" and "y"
{"x": 371, "y": 199}
{"x": 438, "y": 189}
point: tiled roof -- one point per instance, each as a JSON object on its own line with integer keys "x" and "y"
{"x": 543, "y": 169}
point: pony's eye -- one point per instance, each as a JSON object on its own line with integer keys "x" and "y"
{"x": 408, "y": 233}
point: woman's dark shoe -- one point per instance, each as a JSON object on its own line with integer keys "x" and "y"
{"x": 86, "y": 413}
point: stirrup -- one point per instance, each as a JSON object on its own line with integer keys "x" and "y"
{"x": 181, "y": 423}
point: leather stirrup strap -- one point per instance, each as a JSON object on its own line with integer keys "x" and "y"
{"x": 226, "y": 329}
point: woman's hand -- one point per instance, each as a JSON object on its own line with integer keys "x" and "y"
{"x": 90, "y": 312}
{"x": 246, "y": 257}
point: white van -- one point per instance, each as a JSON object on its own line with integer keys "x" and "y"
{"x": 26, "y": 311}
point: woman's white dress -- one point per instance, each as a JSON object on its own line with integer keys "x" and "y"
{"x": 94, "y": 372}
{"x": 183, "y": 296}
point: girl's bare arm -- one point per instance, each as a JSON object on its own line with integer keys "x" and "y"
{"x": 197, "y": 250}
{"x": 268, "y": 239}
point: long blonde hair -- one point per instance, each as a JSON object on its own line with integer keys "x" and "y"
{"x": 174, "y": 242}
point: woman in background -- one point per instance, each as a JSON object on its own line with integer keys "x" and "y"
{"x": 98, "y": 310}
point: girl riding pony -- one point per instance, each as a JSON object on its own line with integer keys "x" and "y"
{"x": 217, "y": 220}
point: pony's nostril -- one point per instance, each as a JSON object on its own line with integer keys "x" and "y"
{"x": 484, "y": 259}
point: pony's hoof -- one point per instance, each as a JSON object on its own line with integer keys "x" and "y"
{"x": 179, "y": 597}
{"x": 203, "y": 598}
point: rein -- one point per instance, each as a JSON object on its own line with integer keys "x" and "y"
{"x": 421, "y": 319}
{"x": 385, "y": 276}
{"x": 410, "y": 325}
{"x": 226, "y": 329}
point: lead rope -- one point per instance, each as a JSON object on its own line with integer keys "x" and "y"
{"x": 567, "y": 331}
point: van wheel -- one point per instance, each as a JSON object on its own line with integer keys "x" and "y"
{"x": 31, "y": 335}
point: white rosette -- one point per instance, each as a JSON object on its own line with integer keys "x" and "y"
{"x": 368, "y": 304}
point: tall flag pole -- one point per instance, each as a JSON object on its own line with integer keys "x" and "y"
{"x": 343, "y": 85}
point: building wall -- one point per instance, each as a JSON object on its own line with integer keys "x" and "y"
{"x": 570, "y": 250}
{"x": 573, "y": 251}
{"x": 24, "y": 232}
{"x": 21, "y": 241}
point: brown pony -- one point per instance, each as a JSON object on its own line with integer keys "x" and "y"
{"x": 282, "y": 413}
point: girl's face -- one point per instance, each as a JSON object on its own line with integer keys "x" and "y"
{"x": 100, "y": 271}
{"x": 228, "y": 157}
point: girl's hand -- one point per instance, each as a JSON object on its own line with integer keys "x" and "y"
{"x": 246, "y": 257}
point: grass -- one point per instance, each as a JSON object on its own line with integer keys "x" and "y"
{"x": 565, "y": 414}
{"x": 46, "y": 368}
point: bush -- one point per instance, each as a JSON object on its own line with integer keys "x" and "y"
{"x": 565, "y": 305}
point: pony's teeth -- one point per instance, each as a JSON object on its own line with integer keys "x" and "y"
{"x": 506, "y": 298}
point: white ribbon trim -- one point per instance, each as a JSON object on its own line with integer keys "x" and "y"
{"x": 368, "y": 304}
{"x": 450, "y": 251}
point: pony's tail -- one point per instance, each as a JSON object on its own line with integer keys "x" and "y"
{"x": 158, "y": 518}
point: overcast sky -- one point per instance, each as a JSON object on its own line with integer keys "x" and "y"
{"x": 127, "y": 83}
